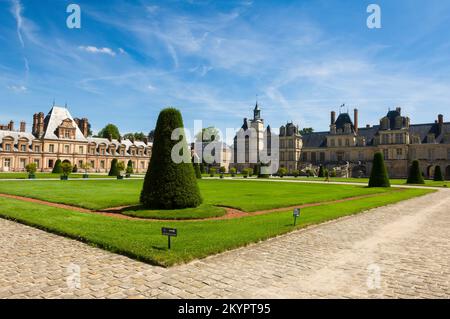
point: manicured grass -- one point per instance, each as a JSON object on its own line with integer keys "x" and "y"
{"x": 201, "y": 212}
{"x": 243, "y": 195}
{"x": 394, "y": 181}
{"x": 48, "y": 175}
{"x": 196, "y": 239}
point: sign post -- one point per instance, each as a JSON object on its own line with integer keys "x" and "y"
{"x": 169, "y": 232}
{"x": 296, "y": 214}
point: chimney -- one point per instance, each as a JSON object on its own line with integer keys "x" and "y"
{"x": 22, "y": 126}
{"x": 85, "y": 126}
{"x": 441, "y": 123}
{"x": 40, "y": 128}
{"x": 333, "y": 117}
{"x": 145, "y": 140}
{"x": 399, "y": 110}
{"x": 35, "y": 124}
{"x": 11, "y": 126}
{"x": 355, "y": 118}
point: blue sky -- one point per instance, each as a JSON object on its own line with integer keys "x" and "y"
{"x": 211, "y": 58}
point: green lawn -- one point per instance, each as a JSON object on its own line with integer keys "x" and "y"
{"x": 243, "y": 195}
{"x": 394, "y": 181}
{"x": 196, "y": 239}
{"x": 201, "y": 212}
{"x": 49, "y": 175}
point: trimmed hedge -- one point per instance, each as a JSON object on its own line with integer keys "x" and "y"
{"x": 114, "y": 171}
{"x": 169, "y": 185}
{"x": 57, "y": 169}
{"x": 415, "y": 175}
{"x": 438, "y": 177}
{"x": 379, "y": 176}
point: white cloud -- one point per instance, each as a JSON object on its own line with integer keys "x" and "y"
{"x": 152, "y": 8}
{"x": 93, "y": 49}
{"x": 17, "y": 88}
{"x": 17, "y": 12}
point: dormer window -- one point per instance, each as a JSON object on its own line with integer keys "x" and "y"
{"x": 8, "y": 147}
{"x": 23, "y": 148}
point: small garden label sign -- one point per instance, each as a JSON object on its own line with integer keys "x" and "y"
{"x": 169, "y": 232}
{"x": 296, "y": 214}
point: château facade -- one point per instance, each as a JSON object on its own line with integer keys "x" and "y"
{"x": 59, "y": 136}
{"x": 351, "y": 148}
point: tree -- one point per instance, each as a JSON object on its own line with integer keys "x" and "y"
{"x": 129, "y": 167}
{"x": 379, "y": 175}
{"x": 207, "y": 135}
{"x": 282, "y": 172}
{"x": 108, "y": 131}
{"x": 321, "y": 172}
{"x": 167, "y": 184}
{"x": 114, "y": 170}
{"x": 415, "y": 175}
{"x": 151, "y": 136}
{"x": 120, "y": 167}
{"x": 138, "y": 136}
{"x": 57, "y": 167}
{"x": 438, "y": 174}
{"x": 66, "y": 168}
{"x": 31, "y": 169}
{"x": 306, "y": 130}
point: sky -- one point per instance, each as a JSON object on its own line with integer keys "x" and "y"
{"x": 213, "y": 59}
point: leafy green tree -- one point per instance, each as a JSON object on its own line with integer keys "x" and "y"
{"x": 438, "y": 174}
{"x": 57, "y": 167}
{"x": 379, "y": 175}
{"x": 208, "y": 134}
{"x": 306, "y": 130}
{"x": 114, "y": 170}
{"x": 282, "y": 172}
{"x": 138, "y": 136}
{"x": 130, "y": 168}
{"x": 120, "y": 167}
{"x": 109, "y": 130}
{"x": 415, "y": 175}
{"x": 31, "y": 169}
{"x": 66, "y": 168}
{"x": 170, "y": 185}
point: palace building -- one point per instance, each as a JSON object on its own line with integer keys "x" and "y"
{"x": 351, "y": 148}
{"x": 59, "y": 136}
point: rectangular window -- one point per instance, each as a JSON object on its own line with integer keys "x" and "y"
{"x": 347, "y": 142}
{"x": 7, "y": 163}
{"x": 322, "y": 157}
{"x": 92, "y": 164}
{"x": 37, "y": 162}
{"x": 386, "y": 154}
{"x": 305, "y": 156}
{"x": 291, "y": 156}
{"x": 102, "y": 164}
{"x": 81, "y": 149}
{"x": 142, "y": 165}
{"x": 22, "y": 163}
{"x": 23, "y": 148}
{"x": 66, "y": 149}
{"x": 66, "y": 134}
{"x": 398, "y": 138}
{"x": 333, "y": 143}
{"x": 339, "y": 142}
{"x": 51, "y": 148}
{"x": 399, "y": 152}
{"x": 8, "y": 147}
{"x": 37, "y": 149}
{"x": 313, "y": 157}
{"x": 50, "y": 163}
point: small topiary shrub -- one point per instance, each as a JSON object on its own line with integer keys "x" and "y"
{"x": 57, "y": 168}
{"x": 282, "y": 172}
{"x": 212, "y": 172}
{"x": 31, "y": 170}
{"x": 321, "y": 172}
{"x": 129, "y": 170}
{"x": 295, "y": 173}
{"x": 233, "y": 172}
{"x": 250, "y": 171}
{"x": 333, "y": 173}
{"x": 66, "y": 169}
{"x": 379, "y": 175}
{"x": 438, "y": 174}
{"x": 75, "y": 169}
{"x": 120, "y": 169}
{"x": 114, "y": 171}
{"x": 245, "y": 172}
{"x": 415, "y": 175}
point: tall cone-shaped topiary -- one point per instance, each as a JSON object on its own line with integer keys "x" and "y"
{"x": 415, "y": 175}
{"x": 170, "y": 183}
{"x": 114, "y": 171}
{"x": 321, "y": 172}
{"x": 438, "y": 174}
{"x": 379, "y": 176}
{"x": 57, "y": 169}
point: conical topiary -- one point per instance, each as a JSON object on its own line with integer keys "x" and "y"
{"x": 57, "y": 169}
{"x": 169, "y": 184}
{"x": 438, "y": 174}
{"x": 415, "y": 175}
{"x": 321, "y": 172}
{"x": 114, "y": 171}
{"x": 379, "y": 176}
{"x": 130, "y": 167}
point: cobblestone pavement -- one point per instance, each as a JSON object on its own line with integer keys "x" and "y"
{"x": 400, "y": 250}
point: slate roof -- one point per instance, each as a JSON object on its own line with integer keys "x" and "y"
{"x": 422, "y": 130}
{"x": 54, "y": 119}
